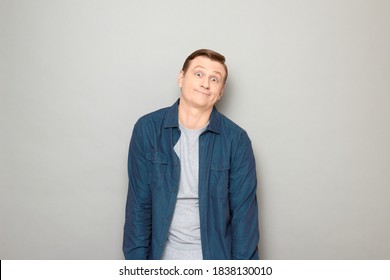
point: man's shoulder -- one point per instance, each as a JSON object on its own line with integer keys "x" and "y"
{"x": 229, "y": 126}
{"x": 231, "y": 132}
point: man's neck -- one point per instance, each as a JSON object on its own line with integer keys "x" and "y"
{"x": 193, "y": 118}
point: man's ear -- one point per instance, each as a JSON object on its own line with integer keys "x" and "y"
{"x": 180, "y": 78}
{"x": 221, "y": 93}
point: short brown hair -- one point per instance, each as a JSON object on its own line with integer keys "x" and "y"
{"x": 207, "y": 53}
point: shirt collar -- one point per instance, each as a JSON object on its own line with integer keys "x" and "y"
{"x": 172, "y": 120}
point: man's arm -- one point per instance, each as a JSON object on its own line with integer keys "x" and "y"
{"x": 138, "y": 224}
{"x": 243, "y": 202}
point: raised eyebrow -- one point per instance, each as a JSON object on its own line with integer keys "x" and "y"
{"x": 216, "y": 72}
{"x": 199, "y": 66}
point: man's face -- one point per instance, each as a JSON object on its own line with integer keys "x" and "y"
{"x": 203, "y": 83}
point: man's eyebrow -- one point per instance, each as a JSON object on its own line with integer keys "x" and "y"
{"x": 200, "y": 66}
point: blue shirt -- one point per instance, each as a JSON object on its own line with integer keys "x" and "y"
{"x": 227, "y": 188}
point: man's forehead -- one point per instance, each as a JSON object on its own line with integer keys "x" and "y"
{"x": 207, "y": 63}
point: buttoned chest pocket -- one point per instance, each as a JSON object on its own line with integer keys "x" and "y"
{"x": 159, "y": 163}
{"x": 219, "y": 178}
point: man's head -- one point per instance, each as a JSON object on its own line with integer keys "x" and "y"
{"x": 202, "y": 78}
{"x": 212, "y": 55}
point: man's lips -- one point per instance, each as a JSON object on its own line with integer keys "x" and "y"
{"x": 205, "y": 93}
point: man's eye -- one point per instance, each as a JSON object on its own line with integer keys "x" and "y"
{"x": 198, "y": 74}
{"x": 214, "y": 79}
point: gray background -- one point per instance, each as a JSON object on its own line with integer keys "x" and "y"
{"x": 309, "y": 81}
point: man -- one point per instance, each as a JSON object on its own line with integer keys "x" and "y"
{"x": 192, "y": 175}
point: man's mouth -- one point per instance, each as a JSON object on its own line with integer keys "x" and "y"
{"x": 205, "y": 93}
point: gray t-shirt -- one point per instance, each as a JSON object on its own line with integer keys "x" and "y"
{"x": 184, "y": 241}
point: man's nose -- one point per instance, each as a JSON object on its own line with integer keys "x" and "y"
{"x": 205, "y": 83}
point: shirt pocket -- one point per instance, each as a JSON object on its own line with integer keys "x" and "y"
{"x": 219, "y": 178}
{"x": 159, "y": 164}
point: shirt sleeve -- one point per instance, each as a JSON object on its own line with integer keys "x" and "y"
{"x": 243, "y": 202}
{"x": 138, "y": 220}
